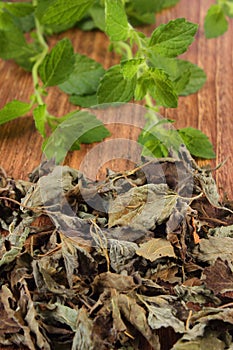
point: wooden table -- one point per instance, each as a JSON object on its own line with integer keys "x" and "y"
{"x": 210, "y": 110}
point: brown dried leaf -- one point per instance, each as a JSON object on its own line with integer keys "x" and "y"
{"x": 143, "y": 206}
{"x": 211, "y": 249}
{"x": 113, "y": 280}
{"x": 156, "y": 248}
{"x": 218, "y": 277}
{"x": 83, "y": 335}
{"x": 136, "y": 315}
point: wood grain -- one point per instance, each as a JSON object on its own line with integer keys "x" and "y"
{"x": 210, "y": 109}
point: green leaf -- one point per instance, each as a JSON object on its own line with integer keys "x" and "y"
{"x": 145, "y": 14}
{"x": 173, "y": 38}
{"x": 40, "y": 118}
{"x": 215, "y": 23}
{"x": 84, "y": 101}
{"x": 197, "y": 143}
{"x": 75, "y": 126}
{"x": 13, "y": 110}
{"x": 177, "y": 69}
{"x": 152, "y": 146}
{"x": 96, "y": 134}
{"x": 228, "y": 8}
{"x": 12, "y": 41}
{"x": 197, "y": 77}
{"x": 85, "y": 76}
{"x": 131, "y": 67}
{"x": 114, "y": 87}
{"x": 62, "y": 11}
{"x": 20, "y": 9}
{"x": 161, "y": 88}
{"x": 181, "y": 82}
{"x": 116, "y": 22}
{"x": 58, "y": 64}
{"x": 97, "y": 13}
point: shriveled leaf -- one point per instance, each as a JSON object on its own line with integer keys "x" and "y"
{"x": 156, "y": 248}
{"x": 208, "y": 342}
{"x": 13, "y": 110}
{"x": 173, "y": 38}
{"x": 58, "y": 64}
{"x": 7, "y": 298}
{"x": 136, "y": 315}
{"x": 56, "y": 312}
{"x": 164, "y": 317}
{"x": 70, "y": 257}
{"x": 222, "y": 231}
{"x": 16, "y": 247}
{"x": 116, "y": 22}
{"x": 83, "y": 339}
{"x": 211, "y": 249}
{"x": 218, "y": 277}
{"x": 120, "y": 253}
{"x": 143, "y": 206}
{"x": 114, "y": 280}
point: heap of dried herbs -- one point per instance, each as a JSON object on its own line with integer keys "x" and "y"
{"x": 143, "y": 251}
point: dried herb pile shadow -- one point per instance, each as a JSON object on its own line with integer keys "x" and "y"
{"x": 140, "y": 255}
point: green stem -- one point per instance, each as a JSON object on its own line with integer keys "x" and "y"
{"x": 125, "y": 47}
{"x": 39, "y": 59}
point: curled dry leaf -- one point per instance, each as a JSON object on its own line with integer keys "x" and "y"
{"x": 156, "y": 248}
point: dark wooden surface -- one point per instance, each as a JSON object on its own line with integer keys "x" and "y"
{"x": 210, "y": 110}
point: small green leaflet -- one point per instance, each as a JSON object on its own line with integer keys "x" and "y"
{"x": 85, "y": 76}
{"x": 177, "y": 70}
{"x": 75, "y": 126}
{"x": 161, "y": 88}
{"x": 131, "y": 67}
{"x": 197, "y": 143}
{"x": 116, "y": 22}
{"x": 114, "y": 87}
{"x": 173, "y": 38}
{"x": 215, "y": 23}
{"x": 13, "y": 110}
{"x": 58, "y": 64}
{"x": 39, "y": 115}
{"x": 227, "y": 7}
{"x": 197, "y": 77}
{"x": 63, "y": 11}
